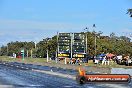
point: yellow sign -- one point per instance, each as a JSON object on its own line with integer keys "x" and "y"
{"x": 78, "y": 55}
{"x": 63, "y": 55}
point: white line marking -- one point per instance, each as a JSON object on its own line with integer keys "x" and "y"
{"x": 56, "y": 74}
{"x": 22, "y": 67}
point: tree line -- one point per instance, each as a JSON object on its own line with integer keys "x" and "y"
{"x": 129, "y": 11}
{"x": 112, "y": 44}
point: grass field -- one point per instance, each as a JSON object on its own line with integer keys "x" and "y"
{"x": 6, "y": 58}
{"x": 43, "y": 61}
{"x": 112, "y": 65}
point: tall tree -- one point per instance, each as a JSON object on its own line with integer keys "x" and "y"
{"x": 129, "y": 11}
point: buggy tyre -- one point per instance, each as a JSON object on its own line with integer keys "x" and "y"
{"x": 81, "y": 79}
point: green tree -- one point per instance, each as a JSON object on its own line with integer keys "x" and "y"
{"x": 3, "y": 51}
{"x": 48, "y": 43}
{"x": 129, "y": 11}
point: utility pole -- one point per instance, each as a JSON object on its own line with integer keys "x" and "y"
{"x": 95, "y": 39}
{"x": 71, "y": 45}
{"x": 47, "y": 50}
{"x": 95, "y": 44}
{"x": 27, "y": 53}
{"x": 0, "y": 50}
{"x": 7, "y": 50}
{"x": 86, "y": 40}
{"x": 47, "y": 56}
{"x": 35, "y": 45}
{"x": 57, "y": 50}
{"x": 56, "y": 56}
{"x": 31, "y": 53}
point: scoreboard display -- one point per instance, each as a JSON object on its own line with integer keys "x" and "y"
{"x": 63, "y": 55}
{"x": 64, "y": 45}
{"x": 72, "y": 45}
{"x": 79, "y": 44}
{"x": 79, "y": 55}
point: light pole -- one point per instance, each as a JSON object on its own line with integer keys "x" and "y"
{"x": 47, "y": 50}
{"x": 35, "y": 47}
{"x": 95, "y": 39}
{"x": 95, "y": 44}
{"x": 47, "y": 40}
{"x": 47, "y": 56}
{"x": 27, "y": 53}
{"x": 35, "y": 43}
{"x": 0, "y": 50}
{"x": 86, "y": 29}
{"x": 7, "y": 50}
{"x": 31, "y": 53}
{"x": 71, "y": 45}
{"x": 57, "y": 49}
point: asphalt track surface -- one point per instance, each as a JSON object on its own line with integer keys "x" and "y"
{"x": 20, "y": 75}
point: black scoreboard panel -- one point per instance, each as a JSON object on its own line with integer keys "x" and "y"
{"x": 72, "y": 43}
{"x": 79, "y": 45}
{"x": 64, "y": 44}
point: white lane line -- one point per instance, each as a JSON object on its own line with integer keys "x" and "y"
{"x": 112, "y": 85}
{"x": 22, "y": 67}
{"x": 67, "y": 86}
{"x": 6, "y": 86}
{"x": 56, "y": 74}
{"x": 35, "y": 85}
{"x": 17, "y": 66}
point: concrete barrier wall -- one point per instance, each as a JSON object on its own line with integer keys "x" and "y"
{"x": 100, "y": 70}
{"x": 121, "y": 71}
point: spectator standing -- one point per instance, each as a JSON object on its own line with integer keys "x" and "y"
{"x": 104, "y": 60}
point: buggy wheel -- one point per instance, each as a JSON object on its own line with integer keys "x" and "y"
{"x": 81, "y": 79}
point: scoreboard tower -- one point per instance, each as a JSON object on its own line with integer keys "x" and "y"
{"x": 71, "y": 45}
{"x": 79, "y": 44}
{"x": 64, "y": 45}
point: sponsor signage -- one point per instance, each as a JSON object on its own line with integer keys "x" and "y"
{"x": 63, "y": 55}
{"x": 79, "y": 55}
{"x": 83, "y": 78}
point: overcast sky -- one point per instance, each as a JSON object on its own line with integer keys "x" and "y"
{"x": 33, "y": 20}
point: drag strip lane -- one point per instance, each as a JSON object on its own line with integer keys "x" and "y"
{"x": 56, "y": 74}
{"x": 29, "y": 78}
{"x": 34, "y": 78}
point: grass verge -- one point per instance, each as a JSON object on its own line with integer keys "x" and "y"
{"x": 43, "y": 61}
